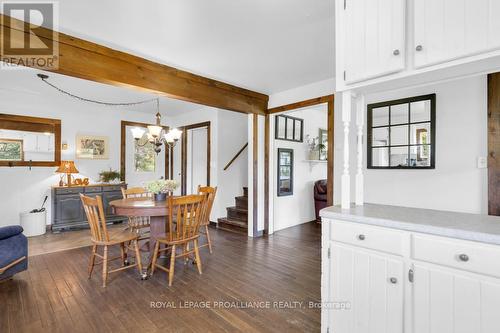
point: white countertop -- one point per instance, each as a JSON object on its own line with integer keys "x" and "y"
{"x": 474, "y": 227}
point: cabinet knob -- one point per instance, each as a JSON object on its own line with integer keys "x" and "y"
{"x": 361, "y": 237}
{"x": 396, "y": 52}
{"x": 419, "y": 48}
{"x": 393, "y": 280}
{"x": 463, "y": 257}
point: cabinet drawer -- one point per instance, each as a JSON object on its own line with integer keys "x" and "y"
{"x": 465, "y": 255}
{"x": 112, "y": 188}
{"x": 93, "y": 189}
{"x": 374, "y": 238}
{"x": 69, "y": 190}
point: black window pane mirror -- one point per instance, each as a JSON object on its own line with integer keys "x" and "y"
{"x": 285, "y": 172}
{"x": 289, "y": 128}
{"x": 402, "y": 133}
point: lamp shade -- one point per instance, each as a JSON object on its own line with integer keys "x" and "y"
{"x": 67, "y": 167}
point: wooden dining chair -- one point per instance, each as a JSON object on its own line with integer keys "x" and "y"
{"x": 138, "y": 223}
{"x": 184, "y": 220}
{"x": 102, "y": 237}
{"x": 210, "y": 193}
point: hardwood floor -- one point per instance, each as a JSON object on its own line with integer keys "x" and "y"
{"x": 54, "y": 295}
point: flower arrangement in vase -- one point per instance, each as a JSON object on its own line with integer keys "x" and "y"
{"x": 161, "y": 187}
{"x": 315, "y": 148}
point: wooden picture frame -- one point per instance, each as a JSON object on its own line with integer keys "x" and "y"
{"x": 92, "y": 147}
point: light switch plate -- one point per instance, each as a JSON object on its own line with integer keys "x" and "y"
{"x": 482, "y": 162}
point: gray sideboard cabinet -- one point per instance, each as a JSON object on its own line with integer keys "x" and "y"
{"x": 67, "y": 209}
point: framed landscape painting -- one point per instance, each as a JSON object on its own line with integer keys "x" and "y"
{"x": 11, "y": 150}
{"x": 92, "y": 147}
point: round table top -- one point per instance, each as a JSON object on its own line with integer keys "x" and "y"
{"x": 140, "y": 207}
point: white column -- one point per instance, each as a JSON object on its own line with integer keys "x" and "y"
{"x": 360, "y": 122}
{"x": 346, "y": 178}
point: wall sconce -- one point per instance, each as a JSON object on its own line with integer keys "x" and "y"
{"x": 64, "y": 146}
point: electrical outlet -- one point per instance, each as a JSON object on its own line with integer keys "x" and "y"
{"x": 482, "y": 162}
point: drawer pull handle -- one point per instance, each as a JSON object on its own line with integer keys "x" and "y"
{"x": 396, "y": 52}
{"x": 419, "y": 48}
{"x": 463, "y": 257}
{"x": 393, "y": 280}
{"x": 361, "y": 237}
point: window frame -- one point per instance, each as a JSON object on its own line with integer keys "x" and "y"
{"x": 291, "y": 166}
{"x": 432, "y": 122}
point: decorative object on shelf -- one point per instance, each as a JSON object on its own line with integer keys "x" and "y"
{"x": 285, "y": 172}
{"x": 11, "y": 150}
{"x": 111, "y": 176}
{"x": 323, "y": 144}
{"x": 315, "y": 148}
{"x": 156, "y": 135}
{"x": 289, "y": 128}
{"x": 402, "y": 134}
{"x": 92, "y": 147}
{"x": 81, "y": 181}
{"x": 161, "y": 187}
{"x": 68, "y": 168}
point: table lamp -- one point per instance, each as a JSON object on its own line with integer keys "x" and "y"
{"x": 67, "y": 167}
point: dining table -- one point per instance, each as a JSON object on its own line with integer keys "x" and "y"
{"x": 157, "y": 211}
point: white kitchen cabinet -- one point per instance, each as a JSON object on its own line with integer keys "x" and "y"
{"x": 414, "y": 283}
{"x": 374, "y": 38}
{"x": 372, "y": 284}
{"x": 446, "y": 30}
{"x": 448, "y": 300}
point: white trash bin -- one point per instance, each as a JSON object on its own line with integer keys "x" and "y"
{"x": 33, "y": 223}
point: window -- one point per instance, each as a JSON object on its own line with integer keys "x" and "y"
{"x": 289, "y": 128}
{"x": 285, "y": 172}
{"x": 401, "y": 133}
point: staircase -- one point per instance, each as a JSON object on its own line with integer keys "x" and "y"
{"x": 237, "y": 216}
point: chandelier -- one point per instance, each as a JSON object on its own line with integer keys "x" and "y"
{"x": 156, "y": 134}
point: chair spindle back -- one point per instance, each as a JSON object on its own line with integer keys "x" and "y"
{"x": 210, "y": 192}
{"x": 96, "y": 218}
{"x": 185, "y": 216}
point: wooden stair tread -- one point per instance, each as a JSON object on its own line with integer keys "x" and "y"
{"x": 238, "y": 209}
{"x": 231, "y": 221}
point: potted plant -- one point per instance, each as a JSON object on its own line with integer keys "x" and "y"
{"x": 111, "y": 176}
{"x": 314, "y": 147}
{"x": 161, "y": 187}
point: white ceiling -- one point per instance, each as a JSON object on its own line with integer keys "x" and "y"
{"x": 264, "y": 45}
{"x": 23, "y": 83}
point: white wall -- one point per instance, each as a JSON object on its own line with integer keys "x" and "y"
{"x": 299, "y": 208}
{"x": 21, "y": 189}
{"x": 313, "y": 90}
{"x": 228, "y": 135}
{"x": 456, "y": 183}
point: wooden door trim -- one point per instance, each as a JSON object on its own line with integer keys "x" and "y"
{"x": 208, "y": 125}
{"x": 123, "y": 148}
{"x": 493, "y": 144}
{"x": 255, "y": 172}
{"x": 90, "y": 61}
{"x": 330, "y": 101}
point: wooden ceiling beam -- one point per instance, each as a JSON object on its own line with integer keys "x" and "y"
{"x": 90, "y": 61}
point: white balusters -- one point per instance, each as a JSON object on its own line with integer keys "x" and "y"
{"x": 346, "y": 179}
{"x": 360, "y": 121}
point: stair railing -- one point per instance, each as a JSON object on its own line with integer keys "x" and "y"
{"x": 236, "y": 156}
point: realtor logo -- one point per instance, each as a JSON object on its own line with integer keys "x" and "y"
{"x": 29, "y": 35}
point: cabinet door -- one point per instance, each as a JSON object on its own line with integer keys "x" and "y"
{"x": 69, "y": 208}
{"x": 372, "y": 285}
{"x": 447, "y": 300}
{"x": 374, "y": 33}
{"x": 445, "y": 30}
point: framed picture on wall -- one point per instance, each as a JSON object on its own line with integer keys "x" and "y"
{"x": 11, "y": 150}
{"x": 92, "y": 147}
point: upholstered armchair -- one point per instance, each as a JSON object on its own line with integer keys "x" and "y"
{"x": 13, "y": 251}
{"x": 320, "y": 196}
